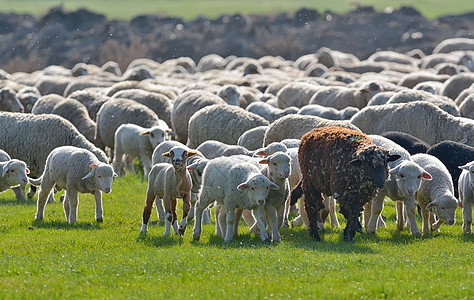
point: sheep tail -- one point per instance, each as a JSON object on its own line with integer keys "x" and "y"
{"x": 35, "y": 182}
{"x": 296, "y": 193}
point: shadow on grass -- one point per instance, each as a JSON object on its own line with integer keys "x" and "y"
{"x": 159, "y": 241}
{"x": 13, "y": 202}
{"x": 55, "y": 224}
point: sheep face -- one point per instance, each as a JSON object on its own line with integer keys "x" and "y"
{"x": 14, "y": 172}
{"x": 445, "y": 208}
{"x": 196, "y": 169}
{"x": 178, "y": 156}
{"x": 257, "y": 188}
{"x": 102, "y": 175}
{"x": 272, "y": 148}
{"x": 9, "y": 101}
{"x": 470, "y": 169}
{"x": 156, "y": 135}
{"x": 230, "y": 94}
{"x": 278, "y": 165}
{"x": 408, "y": 176}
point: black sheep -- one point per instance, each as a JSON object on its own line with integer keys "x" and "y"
{"x": 412, "y": 144}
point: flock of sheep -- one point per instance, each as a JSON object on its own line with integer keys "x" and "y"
{"x": 252, "y": 138}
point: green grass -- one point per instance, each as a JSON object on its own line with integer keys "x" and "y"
{"x": 52, "y": 259}
{"x": 191, "y": 9}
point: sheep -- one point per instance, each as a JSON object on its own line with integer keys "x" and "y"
{"x": 453, "y": 155}
{"x": 392, "y": 56}
{"x": 136, "y": 141}
{"x": 114, "y": 113}
{"x": 157, "y": 102}
{"x": 233, "y": 184}
{"x": 296, "y": 94}
{"x": 454, "y": 44}
{"x": 412, "y": 79}
{"x": 421, "y": 119}
{"x": 380, "y": 98}
{"x": 410, "y": 143}
{"x": 464, "y": 94}
{"x": 55, "y": 84}
{"x": 466, "y": 108}
{"x": 28, "y": 96}
{"x": 328, "y": 112}
{"x": 466, "y": 194}
{"x": 9, "y": 100}
{"x": 342, "y": 97}
{"x": 167, "y": 182}
{"x": 433, "y": 87}
{"x": 76, "y": 170}
{"x": 435, "y": 196}
{"x": 185, "y": 106}
{"x": 224, "y": 123}
{"x": 269, "y": 112}
{"x": 295, "y": 126}
{"x": 210, "y": 62}
{"x": 40, "y": 134}
{"x": 252, "y": 139}
{"x": 343, "y": 163}
{"x": 404, "y": 180}
{"x": 13, "y": 172}
{"x": 456, "y": 84}
{"x": 230, "y": 94}
{"x": 212, "y": 149}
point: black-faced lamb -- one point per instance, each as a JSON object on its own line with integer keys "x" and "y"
{"x": 74, "y": 170}
{"x": 466, "y": 195}
{"x": 343, "y": 163}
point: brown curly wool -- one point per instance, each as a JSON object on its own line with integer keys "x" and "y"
{"x": 343, "y": 163}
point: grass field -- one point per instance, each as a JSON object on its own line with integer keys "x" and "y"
{"x": 190, "y": 9}
{"x": 111, "y": 260}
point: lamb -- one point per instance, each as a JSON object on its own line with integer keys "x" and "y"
{"x": 75, "y": 170}
{"x": 9, "y": 101}
{"x": 453, "y": 155}
{"x": 268, "y": 111}
{"x": 410, "y": 143}
{"x": 296, "y": 94}
{"x": 349, "y": 166}
{"x": 168, "y": 182}
{"x": 295, "y": 126}
{"x": 328, "y": 112}
{"x": 212, "y": 149}
{"x": 233, "y": 184}
{"x": 437, "y": 124}
{"x": 466, "y": 194}
{"x": 13, "y": 172}
{"x": 435, "y": 196}
{"x": 342, "y": 97}
{"x": 40, "y": 134}
{"x": 136, "y": 141}
{"x": 252, "y": 139}
{"x": 114, "y": 113}
{"x": 185, "y": 106}
{"x": 224, "y": 123}
{"x": 404, "y": 180}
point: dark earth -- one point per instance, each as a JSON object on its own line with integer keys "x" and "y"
{"x": 67, "y": 38}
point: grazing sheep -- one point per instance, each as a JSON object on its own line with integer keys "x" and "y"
{"x": 410, "y": 143}
{"x": 224, "y": 123}
{"x": 252, "y": 139}
{"x": 453, "y": 155}
{"x": 466, "y": 194}
{"x": 330, "y": 113}
{"x": 212, "y": 149}
{"x": 93, "y": 101}
{"x": 168, "y": 182}
{"x": 342, "y": 97}
{"x": 456, "y": 84}
{"x": 185, "y": 106}
{"x": 421, "y": 119}
{"x": 13, "y": 172}
{"x": 466, "y": 108}
{"x": 28, "y": 96}
{"x": 296, "y": 94}
{"x": 114, "y": 113}
{"x": 39, "y": 136}
{"x": 435, "y": 196}
{"x": 295, "y": 126}
{"x": 75, "y": 170}
{"x": 454, "y": 44}
{"x": 404, "y": 180}
{"x": 349, "y": 166}
{"x": 269, "y": 112}
{"x": 9, "y": 100}
{"x": 136, "y": 141}
{"x": 233, "y": 184}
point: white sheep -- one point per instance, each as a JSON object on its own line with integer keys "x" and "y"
{"x": 466, "y": 108}
{"x": 252, "y": 139}
{"x": 13, "y": 172}
{"x": 75, "y": 170}
{"x": 296, "y": 94}
{"x": 212, "y": 149}
{"x": 466, "y": 195}
{"x": 168, "y": 182}
{"x": 454, "y": 44}
{"x": 9, "y": 100}
{"x": 136, "y": 141}
{"x": 326, "y": 112}
{"x": 342, "y": 97}
{"x": 269, "y": 112}
{"x": 435, "y": 196}
{"x": 233, "y": 184}
{"x": 405, "y": 178}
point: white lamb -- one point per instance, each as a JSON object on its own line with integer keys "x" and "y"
{"x": 436, "y": 195}
{"x": 13, "y": 172}
{"x": 466, "y": 194}
{"x": 136, "y": 141}
{"x": 233, "y": 184}
{"x": 168, "y": 182}
{"x": 75, "y": 170}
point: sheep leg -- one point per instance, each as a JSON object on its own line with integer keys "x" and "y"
{"x": 425, "y": 216}
{"x": 174, "y": 222}
{"x": 159, "y": 208}
{"x": 332, "y": 213}
{"x": 198, "y": 211}
{"x": 280, "y": 212}
{"x": 222, "y": 221}
{"x": 272, "y": 218}
{"x": 145, "y": 160}
{"x": 99, "y": 214}
{"x": 435, "y": 226}
{"x": 411, "y": 216}
{"x": 313, "y": 204}
{"x": 260, "y": 216}
{"x": 117, "y": 163}
{"x": 72, "y": 197}
{"x": 19, "y": 192}
{"x": 466, "y": 217}
{"x": 186, "y": 209}
{"x": 238, "y": 215}
{"x": 230, "y": 219}
{"x": 128, "y": 162}
{"x": 303, "y": 214}
{"x": 400, "y": 216}
{"x": 46, "y": 187}
{"x": 217, "y": 208}
{"x": 251, "y": 221}
{"x": 352, "y": 216}
{"x": 168, "y": 217}
{"x": 32, "y": 191}
{"x": 286, "y": 213}
{"x": 375, "y": 211}
{"x": 150, "y": 198}
{"x": 66, "y": 206}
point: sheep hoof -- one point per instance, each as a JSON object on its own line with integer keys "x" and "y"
{"x": 285, "y": 224}
{"x": 100, "y": 220}
{"x": 266, "y": 241}
{"x": 182, "y": 230}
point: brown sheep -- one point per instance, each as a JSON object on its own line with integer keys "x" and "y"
{"x": 343, "y": 163}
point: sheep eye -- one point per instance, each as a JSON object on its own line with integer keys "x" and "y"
{"x": 274, "y": 164}
{"x": 253, "y": 189}
{"x": 99, "y": 176}
{"x": 402, "y": 176}
{"x": 152, "y": 135}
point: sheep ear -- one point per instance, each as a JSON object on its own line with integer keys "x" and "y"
{"x": 465, "y": 167}
{"x": 169, "y": 130}
{"x": 261, "y": 153}
{"x": 91, "y": 173}
{"x": 426, "y": 176}
{"x": 5, "y": 170}
{"x": 264, "y": 161}
{"x": 394, "y": 170}
{"x": 431, "y": 205}
{"x": 27, "y": 171}
{"x": 191, "y": 153}
{"x": 274, "y": 186}
{"x": 192, "y": 167}
{"x": 355, "y": 162}
{"x": 243, "y": 186}
{"x": 243, "y": 101}
{"x": 362, "y": 91}
{"x": 146, "y": 132}
{"x": 393, "y": 157}
{"x": 167, "y": 154}
{"x": 115, "y": 175}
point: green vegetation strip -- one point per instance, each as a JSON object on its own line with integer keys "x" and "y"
{"x": 111, "y": 260}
